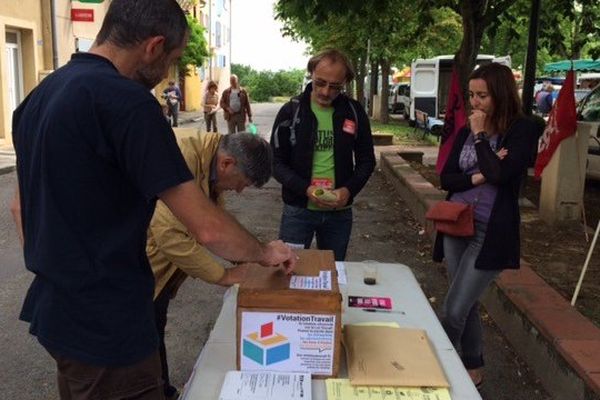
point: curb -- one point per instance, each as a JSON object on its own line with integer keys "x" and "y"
{"x": 558, "y": 343}
{"x": 7, "y": 170}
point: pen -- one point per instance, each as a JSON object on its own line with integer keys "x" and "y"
{"x": 382, "y": 310}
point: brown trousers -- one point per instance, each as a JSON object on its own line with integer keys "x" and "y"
{"x": 140, "y": 381}
{"x": 236, "y": 122}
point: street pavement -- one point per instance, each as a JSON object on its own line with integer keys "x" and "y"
{"x": 384, "y": 230}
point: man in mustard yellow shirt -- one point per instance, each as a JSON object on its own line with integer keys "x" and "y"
{"x": 218, "y": 163}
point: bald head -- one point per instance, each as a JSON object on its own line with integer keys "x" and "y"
{"x": 233, "y": 81}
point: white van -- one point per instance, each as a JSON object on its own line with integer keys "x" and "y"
{"x": 430, "y": 83}
{"x": 399, "y": 99}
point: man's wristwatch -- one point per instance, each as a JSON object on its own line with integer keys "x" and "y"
{"x": 479, "y": 136}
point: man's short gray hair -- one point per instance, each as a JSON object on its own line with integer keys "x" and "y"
{"x": 252, "y": 153}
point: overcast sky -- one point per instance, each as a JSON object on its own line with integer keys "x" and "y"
{"x": 256, "y": 38}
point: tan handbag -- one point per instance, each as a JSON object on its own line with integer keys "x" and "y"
{"x": 451, "y": 218}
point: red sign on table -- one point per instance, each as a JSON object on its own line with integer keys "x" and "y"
{"x": 82, "y": 14}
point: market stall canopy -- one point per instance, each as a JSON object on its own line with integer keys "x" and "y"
{"x": 578, "y": 65}
{"x": 402, "y": 75}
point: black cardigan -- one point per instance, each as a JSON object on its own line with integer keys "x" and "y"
{"x": 501, "y": 246}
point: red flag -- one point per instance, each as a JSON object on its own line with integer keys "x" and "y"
{"x": 454, "y": 120}
{"x": 562, "y": 123}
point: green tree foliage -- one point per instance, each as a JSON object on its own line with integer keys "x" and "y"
{"x": 197, "y": 50}
{"x": 391, "y": 27}
{"x": 566, "y": 31}
{"x": 262, "y": 85}
{"x": 571, "y": 29}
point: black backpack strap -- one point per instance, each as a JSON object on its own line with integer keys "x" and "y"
{"x": 289, "y": 123}
{"x": 354, "y": 112}
{"x": 295, "y": 119}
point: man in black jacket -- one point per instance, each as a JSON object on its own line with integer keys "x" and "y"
{"x": 323, "y": 156}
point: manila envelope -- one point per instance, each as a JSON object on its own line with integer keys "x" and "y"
{"x": 385, "y": 356}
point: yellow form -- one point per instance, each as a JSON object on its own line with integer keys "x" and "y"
{"x": 340, "y": 389}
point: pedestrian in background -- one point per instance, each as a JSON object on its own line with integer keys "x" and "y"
{"x": 235, "y": 103}
{"x": 545, "y": 99}
{"x": 211, "y": 105}
{"x": 218, "y": 163}
{"x": 322, "y": 141}
{"x": 94, "y": 153}
{"x": 484, "y": 169}
{"x": 172, "y": 96}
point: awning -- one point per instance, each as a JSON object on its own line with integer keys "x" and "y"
{"x": 578, "y": 65}
{"x": 402, "y": 75}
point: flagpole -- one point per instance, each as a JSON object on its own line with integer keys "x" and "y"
{"x": 585, "y": 265}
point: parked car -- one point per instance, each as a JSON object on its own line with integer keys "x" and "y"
{"x": 588, "y": 109}
{"x": 399, "y": 99}
{"x": 580, "y": 94}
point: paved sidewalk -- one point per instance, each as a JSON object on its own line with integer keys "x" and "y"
{"x": 7, "y": 160}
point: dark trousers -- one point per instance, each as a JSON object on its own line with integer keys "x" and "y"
{"x": 332, "y": 228}
{"x": 161, "y": 306}
{"x": 211, "y": 121}
{"x": 173, "y": 112}
{"x": 79, "y": 381}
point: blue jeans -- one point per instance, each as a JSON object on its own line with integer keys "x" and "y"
{"x": 299, "y": 225}
{"x": 461, "y": 319}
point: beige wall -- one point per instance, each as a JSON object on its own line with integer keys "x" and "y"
{"x": 32, "y": 18}
{"x": 193, "y": 94}
{"x": 26, "y": 17}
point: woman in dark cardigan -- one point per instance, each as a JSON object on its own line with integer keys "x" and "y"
{"x": 484, "y": 169}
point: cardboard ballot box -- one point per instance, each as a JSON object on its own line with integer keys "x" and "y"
{"x": 291, "y": 323}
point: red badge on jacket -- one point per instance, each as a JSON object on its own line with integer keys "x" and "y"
{"x": 349, "y": 127}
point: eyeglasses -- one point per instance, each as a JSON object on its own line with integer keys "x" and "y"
{"x": 320, "y": 83}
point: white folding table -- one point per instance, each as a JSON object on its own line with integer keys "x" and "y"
{"x": 393, "y": 280}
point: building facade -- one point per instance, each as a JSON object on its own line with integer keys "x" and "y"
{"x": 215, "y": 17}
{"x": 23, "y": 36}
{"x": 40, "y": 35}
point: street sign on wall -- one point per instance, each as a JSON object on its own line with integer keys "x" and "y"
{"x": 82, "y": 14}
{"x": 87, "y": 17}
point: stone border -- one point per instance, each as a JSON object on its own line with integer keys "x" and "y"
{"x": 558, "y": 343}
{"x": 7, "y": 170}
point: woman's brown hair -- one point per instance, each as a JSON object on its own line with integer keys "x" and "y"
{"x": 210, "y": 85}
{"x": 502, "y": 88}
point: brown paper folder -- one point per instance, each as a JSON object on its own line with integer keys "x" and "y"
{"x": 384, "y": 356}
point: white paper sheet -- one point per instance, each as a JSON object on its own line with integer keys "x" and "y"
{"x": 321, "y": 282}
{"x": 341, "y": 271}
{"x": 266, "y": 385}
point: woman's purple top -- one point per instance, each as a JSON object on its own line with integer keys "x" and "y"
{"x": 482, "y": 197}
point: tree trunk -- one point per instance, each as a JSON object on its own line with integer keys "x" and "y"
{"x": 374, "y": 73}
{"x": 350, "y": 86}
{"x": 472, "y": 12}
{"x": 383, "y": 103}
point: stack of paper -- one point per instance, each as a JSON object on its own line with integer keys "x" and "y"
{"x": 266, "y": 385}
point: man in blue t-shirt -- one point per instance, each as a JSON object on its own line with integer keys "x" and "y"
{"x": 93, "y": 155}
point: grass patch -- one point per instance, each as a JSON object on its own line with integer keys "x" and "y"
{"x": 280, "y": 99}
{"x": 404, "y": 134}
